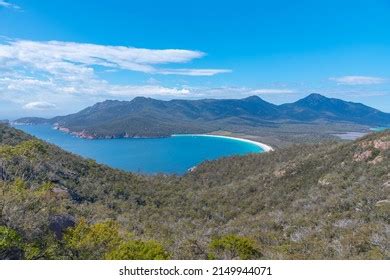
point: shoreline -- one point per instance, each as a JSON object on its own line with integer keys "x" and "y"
{"x": 264, "y": 147}
{"x": 84, "y": 135}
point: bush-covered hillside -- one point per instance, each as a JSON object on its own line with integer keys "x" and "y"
{"x": 328, "y": 201}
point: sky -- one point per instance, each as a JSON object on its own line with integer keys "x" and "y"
{"x": 58, "y": 57}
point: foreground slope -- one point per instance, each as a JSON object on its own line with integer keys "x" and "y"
{"x": 326, "y": 201}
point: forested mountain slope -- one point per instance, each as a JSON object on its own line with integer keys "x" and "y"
{"x": 147, "y": 117}
{"x": 327, "y": 201}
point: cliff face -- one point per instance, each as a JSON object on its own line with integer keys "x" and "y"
{"x": 325, "y": 201}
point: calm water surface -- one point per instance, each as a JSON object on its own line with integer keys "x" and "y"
{"x": 150, "y": 155}
{"x": 380, "y": 128}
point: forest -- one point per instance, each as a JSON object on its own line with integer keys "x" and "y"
{"x": 306, "y": 201}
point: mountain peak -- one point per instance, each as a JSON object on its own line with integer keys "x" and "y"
{"x": 316, "y": 96}
{"x": 143, "y": 100}
{"x": 140, "y": 98}
{"x": 253, "y": 98}
{"x": 313, "y": 99}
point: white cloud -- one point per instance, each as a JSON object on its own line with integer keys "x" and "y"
{"x": 26, "y": 88}
{"x": 234, "y": 92}
{"x": 6, "y": 4}
{"x": 148, "y": 90}
{"x": 194, "y": 72}
{"x": 65, "y": 72}
{"x": 66, "y": 58}
{"x": 39, "y": 105}
{"x": 37, "y": 75}
{"x": 358, "y": 80}
{"x": 272, "y": 91}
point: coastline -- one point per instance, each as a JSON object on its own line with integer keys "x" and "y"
{"x": 264, "y": 147}
{"x": 84, "y": 135}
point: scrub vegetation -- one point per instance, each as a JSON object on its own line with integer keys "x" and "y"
{"x": 324, "y": 201}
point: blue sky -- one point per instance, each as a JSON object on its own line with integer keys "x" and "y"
{"x": 57, "y": 57}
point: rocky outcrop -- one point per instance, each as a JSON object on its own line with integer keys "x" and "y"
{"x": 81, "y": 134}
{"x": 59, "y": 223}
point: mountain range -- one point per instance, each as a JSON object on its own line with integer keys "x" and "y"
{"x": 147, "y": 117}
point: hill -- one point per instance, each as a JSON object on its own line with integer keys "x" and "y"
{"x": 147, "y": 117}
{"x": 316, "y": 107}
{"x": 325, "y": 201}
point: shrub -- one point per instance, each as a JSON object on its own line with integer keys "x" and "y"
{"x": 234, "y": 247}
{"x": 10, "y": 244}
{"x": 138, "y": 250}
{"x": 92, "y": 241}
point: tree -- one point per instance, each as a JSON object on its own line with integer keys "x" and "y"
{"x": 10, "y": 244}
{"x": 234, "y": 247}
{"x": 138, "y": 250}
{"x": 92, "y": 241}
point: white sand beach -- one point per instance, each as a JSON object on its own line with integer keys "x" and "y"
{"x": 263, "y": 146}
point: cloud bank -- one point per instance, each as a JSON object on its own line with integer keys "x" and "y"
{"x": 31, "y": 71}
{"x": 272, "y": 91}
{"x": 39, "y": 105}
{"x": 66, "y": 58}
{"x": 358, "y": 80}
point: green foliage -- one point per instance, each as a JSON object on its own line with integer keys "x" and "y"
{"x": 103, "y": 240}
{"x": 138, "y": 250}
{"x": 28, "y": 149}
{"x": 374, "y": 153}
{"x": 10, "y": 243}
{"x": 44, "y": 188}
{"x": 234, "y": 247}
{"x": 48, "y": 248}
{"x": 32, "y": 251}
{"x": 8, "y": 238}
{"x": 92, "y": 241}
{"x": 375, "y": 254}
{"x": 19, "y": 186}
{"x": 12, "y": 137}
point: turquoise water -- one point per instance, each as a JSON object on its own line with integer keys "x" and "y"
{"x": 380, "y": 128}
{"x": 173, "y": 155}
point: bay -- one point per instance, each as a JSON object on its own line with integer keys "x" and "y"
{"x": 170, "y": 155}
